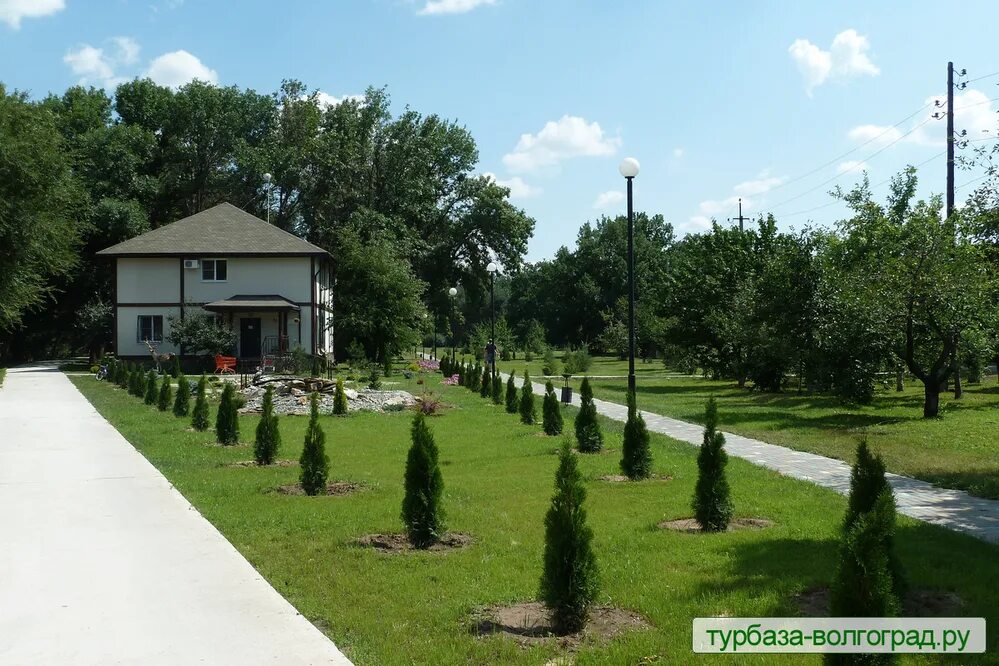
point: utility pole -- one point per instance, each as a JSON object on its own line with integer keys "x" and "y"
{"x": 741, "y": 218}
{"x": 950, "y": 138}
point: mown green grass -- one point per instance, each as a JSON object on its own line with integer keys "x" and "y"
{"x": 3, "y": 373}
{"x": 960, "y": 449}
{"x": 498, "y": 474}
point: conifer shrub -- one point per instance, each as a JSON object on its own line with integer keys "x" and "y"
{"x": 497, "y": 391}
{"x": 485, "y": 384}
{"x": 712, "y": 504}
{"x": 863, "y": 585}
{"x": 462, "y": 374}
{"x": 268, "y": 437}
{"x": 165, "y": 396}
{"x": 528, "y": 412}
{"x": 136, "y": 386}
{"x": 339, "y": 399}
{"x": 226, "y": 419}
{"x": 199, "y": 416}
{"x": 589, "y": 437}
{"x": 551, "y": 412}
{"x": 444, "y": 366}
{"x": 175, "y": 367}
{"x": 570, "y": 579}
{"x": 422, "y": 513}
{"x": 182, "y": 401}
{"x": 375, "y": 378}
{"x": 636, "y": 457}
{"x": 475, "y": 378}
{"x": 512, "y": 398}
{"x": 152, "y": 389}
{"x": 314, "y": 464}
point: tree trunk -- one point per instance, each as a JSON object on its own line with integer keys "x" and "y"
{"x": 899, "y": 379}
{"x": 958, "y": 390}
{"x": 931, "y": 401}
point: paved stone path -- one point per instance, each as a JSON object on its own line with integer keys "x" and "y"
{"x": 954, "y": 509}
{"x": 103, "y": 562}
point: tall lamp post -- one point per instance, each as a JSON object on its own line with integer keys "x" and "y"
{"x": 267, "y": 184}
{"x": 452, "y": 292}
{"x": 491, "y": 269}
{"x": 629, "y": 169}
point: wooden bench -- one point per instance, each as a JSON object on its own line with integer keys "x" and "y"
{"x": 225, "y": 364}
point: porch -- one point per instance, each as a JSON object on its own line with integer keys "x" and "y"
{"x": 267, "y": 326}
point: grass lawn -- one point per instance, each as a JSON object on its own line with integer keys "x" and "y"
{"x": 958, "y": 450}
{"x": 3, "y": 373}
{"x": 498, "y": 475}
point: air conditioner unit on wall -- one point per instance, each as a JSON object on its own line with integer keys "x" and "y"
{"x": 190, "y": 263}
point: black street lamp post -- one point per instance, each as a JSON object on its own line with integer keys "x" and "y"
{"x": 629, "y": 169}
{"x": 491, "y": 269}
{"x": 452, "y": 292}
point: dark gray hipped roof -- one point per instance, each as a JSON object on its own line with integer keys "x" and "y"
{"x": 218, "y": 231}
{"x": 244, "y": 302}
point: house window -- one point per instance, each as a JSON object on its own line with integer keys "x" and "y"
{"x": 150, "y": 328}
{"x": 214, "y": 270}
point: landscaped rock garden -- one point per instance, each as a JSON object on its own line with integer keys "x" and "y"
{"x": 291, "y": 396}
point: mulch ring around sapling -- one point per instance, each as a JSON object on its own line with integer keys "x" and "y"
{"x": 399, "y": 543}
{"x": 253, "y": 463}
{"x": 621, "y": 478}
{"x": 691, "y": 526}
{"x": 333, "y": 489}
{"x": 920, "y": 602}
{"x": 529, "y": 623}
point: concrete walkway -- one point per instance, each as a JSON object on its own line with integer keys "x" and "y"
{"x": 103, "y": 562}
{"x": 954, "y": 509}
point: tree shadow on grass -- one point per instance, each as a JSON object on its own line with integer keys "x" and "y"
{"x": 978, "y": 482}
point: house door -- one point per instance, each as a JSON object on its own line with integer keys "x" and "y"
{"x": 249, "y": 337}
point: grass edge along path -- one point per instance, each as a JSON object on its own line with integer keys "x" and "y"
{"x": 415, "y": 608}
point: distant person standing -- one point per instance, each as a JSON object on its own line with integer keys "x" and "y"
{"x": 491, "y": 355}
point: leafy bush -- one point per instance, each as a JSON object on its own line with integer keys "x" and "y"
{"x": 589, "y": 438}
{"x": 339, "y": 399}
{"x": 152, "y": 391}
{"x": 577, "y": 361}
{"x": 512, "y": 399}
{"x": 712, "y": 504}
{"x": 497, "y": 389}
{"x": 165, "y": 395}
{"x": 551, "y": 365}
{"x": 313, "y": 462}
{"x": 528, "y": 413}
{"x": 182, "y": 403}
{"x": 199, "y": 417}
{"x": 551, "y": 412}
{"x": 421, "y": 507}
{"x": 570, "y": 581}
{"x": 429, "y": 404}
{"x": 636, "y": 458}
{"x": 201, "y": 334}
{"x": 227, "y": 420}
{"x": 863, "y": 584}
{"x": 268, "y": 436}
{"x": 356, "y": 353}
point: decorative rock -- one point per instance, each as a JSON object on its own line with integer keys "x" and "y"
{"x": 291, "y": 396}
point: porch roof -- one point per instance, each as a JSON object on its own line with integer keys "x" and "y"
{"x": 249, "y": 303}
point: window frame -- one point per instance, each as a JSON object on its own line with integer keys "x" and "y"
{"x": 215, "y": 270}
{"x": 152, "y": 328}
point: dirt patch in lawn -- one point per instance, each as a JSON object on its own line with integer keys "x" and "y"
{"x": 529, "y": 623}
{"x": 691, "y": 526}
{"x": 253, "y": 463}
{"x": 920, "y": 602}
{"x": 398, "y": 543}
{"x": 334, "y": 489}
{"x": 621, "y": 478}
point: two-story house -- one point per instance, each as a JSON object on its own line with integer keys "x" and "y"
{"x": 268, "y": 285}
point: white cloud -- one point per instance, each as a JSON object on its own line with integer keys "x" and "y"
{"x": 877, "y": 133}
{"x": 846, "y": 58}
{"x": 852, "y": 166}
{"x": 326, "y": 100}
{"x": 518, "y": 188}
{"x": 128, "y": 50}
{"x": 727, "y": 205}
{"x": 568, "y": 137}
{"x": 678, "y": 153}
{"x": 698, "y": 223}
{"x": 90, "y": 64}
{"x": 12, "y": 11}
{"x": 453, "y": 6}
{"x": 764, "y": 183}
{"x": 608, "y": 198}
{"x": 176, "y": 68}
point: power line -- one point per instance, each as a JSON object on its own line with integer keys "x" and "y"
{"x": 982, "y": 77}
{"x": 961, "y": 108}
{"x": 840, "y": 175}
{"x": 850, "y": 152}
{"x": 973, "y": 180}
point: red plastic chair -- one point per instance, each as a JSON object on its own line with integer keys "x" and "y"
{"x": 225, "y": 364}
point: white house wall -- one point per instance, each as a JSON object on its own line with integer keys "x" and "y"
{"x": 148, "y": 280}
{"x": 128, "y": 330}
{"x": 281, "y": 276}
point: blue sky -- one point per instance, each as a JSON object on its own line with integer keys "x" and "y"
{"x": 716, "y": 99}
